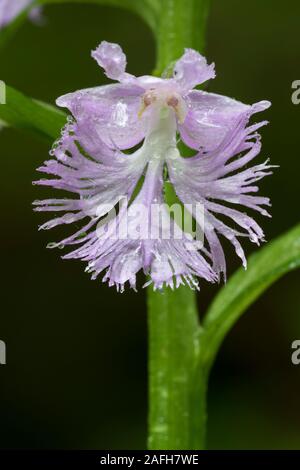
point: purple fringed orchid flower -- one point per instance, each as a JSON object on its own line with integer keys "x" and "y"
{"x": 10, "y": 9}
{"x": 97, "y": 161}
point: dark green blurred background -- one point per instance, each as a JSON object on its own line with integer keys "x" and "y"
{"x": 76, "y": 350}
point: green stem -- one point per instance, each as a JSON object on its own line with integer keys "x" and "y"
{"x": 173, "y": 346}
{"x": 177, "y": 375}
{"x": 182, "y": 25}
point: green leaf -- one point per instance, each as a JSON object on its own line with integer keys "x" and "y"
{"x": 244, "y": 287}
{"x": 25, "y": 113}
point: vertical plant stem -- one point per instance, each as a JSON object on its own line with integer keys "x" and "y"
{"x": 182, "y": 24}
{"x": 198, "y": 395}
{"x": 173, "y": 345}
{"x": 177, "y": 376}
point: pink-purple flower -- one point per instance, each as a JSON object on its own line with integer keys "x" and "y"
{"x": 120, "y": 148}
{"x": 10, "y": 9}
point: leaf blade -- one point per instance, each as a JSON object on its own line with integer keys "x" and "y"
{"x": 25, "y": 113}
{"x": 266, "y": 266}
